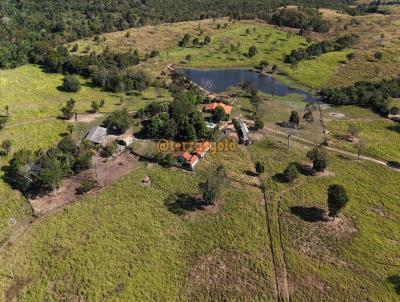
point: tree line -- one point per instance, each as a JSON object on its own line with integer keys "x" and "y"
{"x": 317, "y": 49}
{"x": 31, "y": 172}
{"x": 107, "y": 70}
{"x": 364, "y": 94}
{"x": 24, "y": 22}
{"x": 301, "y": 18}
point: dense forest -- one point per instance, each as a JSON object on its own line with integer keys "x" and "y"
{"x": 25, "y": 21}
{"x": 364, "y": 94}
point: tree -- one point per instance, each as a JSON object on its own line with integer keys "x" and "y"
{"x": 337, "y": 200}
{"x": 218, "y": 114}
{"x": 75, "y": 48}
{"x": 350, "y": 56}
{"x": 70, "y": 129}
{"x": 94, "y": 106}
{"x": 378, "y": 56}
{"x": 252, "y": 51}
{"x": 294, "y": 118}
{"x": 319, "y": 158}
{"x": 207, "y": 40}
{"x": 70, "y": 84}
{"x": 290, "y": 131}
{"x": 188, "y": 58}
{"x": 3, "y": 121}
{"x": 119, "y": 120}
{"x": 290, "y": 173}
{"x": 394, "y": 110}
{"x": 360, "y": 146}
{"x": 6, "y": 145}
{"x": 258, "y": 124}
{"x": 260, "y": 167}
{"x": 102, "y": 102}
{"x": 110, "y": 149}
{"x": 67, "y": 110}
{"x": 51, "y": 172}
{"x": 211, "y": 189}
{"x": 308, "y": 117}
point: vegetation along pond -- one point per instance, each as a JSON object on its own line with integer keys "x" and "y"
{"x": 222, "y": 79}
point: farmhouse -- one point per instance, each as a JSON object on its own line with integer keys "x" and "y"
{"x": 188, "y": 160}
{"x": 202, "y": 149}
{"x": 212, "y": 106}
{"x": 97, "y": 135}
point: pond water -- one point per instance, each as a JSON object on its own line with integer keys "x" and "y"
{"x": 225, "y": 78}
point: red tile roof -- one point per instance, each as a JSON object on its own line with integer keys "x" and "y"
{"x": 213, "y": 106}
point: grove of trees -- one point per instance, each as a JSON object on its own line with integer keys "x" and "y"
{"x": 374, "y": 95}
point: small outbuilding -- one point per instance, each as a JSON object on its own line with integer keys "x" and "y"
{"x": 244, "y": 133}
{"x": 125, "y": 140}
{"x": 97, "y": 135}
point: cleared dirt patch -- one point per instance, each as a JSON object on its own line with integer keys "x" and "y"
{"x": 105, "y": 171}
{"x": 86, "y": 118}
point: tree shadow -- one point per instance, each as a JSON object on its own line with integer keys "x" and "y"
{"x": 181, "y": 203}
{"x": 305, "y": 169}
{"x": 279, "y": 177}
{"x": 251, "y": 173}
{"x": 395, "y": 280}
{"x": 394, "y": 128}
{"x": 310, "y": 214}
{"x": 393, "y": 164}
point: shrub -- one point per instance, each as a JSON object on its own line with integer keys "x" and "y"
{"x": 259, "y": 124}
{"x": 291, "y": 173}
{"x": 86, "y": 186}
{"x": 109, "y": 150}
{"x": 337, "y": 199}
{"x": 319, "y": 158}
{"x": 394, "y": 111}
{"x": 260, "y": 168}
{"x": 70, "y": 84}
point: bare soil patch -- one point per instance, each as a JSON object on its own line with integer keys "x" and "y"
{"x": 337, "y": 115}
{"x": 342, "y": 227}
{"x": 86, "y": 118}
{"x": 105, "y": 171}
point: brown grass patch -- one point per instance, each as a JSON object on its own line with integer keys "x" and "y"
{"x": 224, "y": 275}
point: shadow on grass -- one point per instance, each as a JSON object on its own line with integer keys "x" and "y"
{"x": 305, "y": 169}
{"x": 181, "y": 203}
{"x": 395, "y": 280}
{"x": 393, "y": 164}
{"x": 310, "y": 214}
{"x": 251, "y": 173}
{"x": 394, "y": 128}
{"x": 279, "y": 177}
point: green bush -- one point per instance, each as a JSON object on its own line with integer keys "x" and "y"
{"x": 70, "y": 84}
{"x": 86, "y": 186}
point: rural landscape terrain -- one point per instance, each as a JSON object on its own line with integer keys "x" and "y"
{"x": 200, "y": 151}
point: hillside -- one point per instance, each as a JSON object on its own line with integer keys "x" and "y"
{"x": 218, "y": 158}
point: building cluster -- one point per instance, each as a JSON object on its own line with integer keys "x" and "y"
{"x": 191, "y": 159}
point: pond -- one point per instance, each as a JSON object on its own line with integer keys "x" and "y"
{"x": 221, "y": 79}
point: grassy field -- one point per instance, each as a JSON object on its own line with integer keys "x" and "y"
{"x": 379, "y": 135}
{"x": 169, "y": 253}
{"x": 360, "y": 247}
{"x": 32, "y": 95}
{"x": 35, "y": 103}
